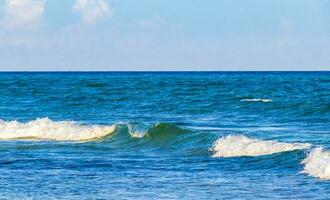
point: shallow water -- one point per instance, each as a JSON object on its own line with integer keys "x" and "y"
{"x": 165, "y": 135}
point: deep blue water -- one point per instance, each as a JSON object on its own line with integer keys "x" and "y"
{"x": 165, "y": 126}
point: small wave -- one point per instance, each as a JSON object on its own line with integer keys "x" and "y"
{"x": 317, "y": 163}
{"x": 257, "y": 100}
{"x": 46, "y": 129}
{"x": 240, "y": 145}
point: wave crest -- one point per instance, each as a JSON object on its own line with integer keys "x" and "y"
{"x": 158, "y": 130}
{"x": 46, "y": 129}
{"x": 240, "y": 145}
{"x": 317, "y": 163}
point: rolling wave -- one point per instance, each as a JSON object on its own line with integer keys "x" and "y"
{"x": 240, "y": 145}
{"x": 139, "y": 130}
{"x": 46, "y": 129}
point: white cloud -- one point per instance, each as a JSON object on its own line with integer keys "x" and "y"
{"x": 92, "y": 11}
{"x": 22, "y": 13}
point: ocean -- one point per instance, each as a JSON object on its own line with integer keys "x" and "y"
{"x": 165, "y": 135}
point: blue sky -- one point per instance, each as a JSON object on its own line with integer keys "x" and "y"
{"x": 164, "y": 35}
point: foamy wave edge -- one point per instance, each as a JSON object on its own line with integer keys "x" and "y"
{"x": 240, "y": 145}
{"x": 46, "y": 129}
{"x": 317, "y": 163}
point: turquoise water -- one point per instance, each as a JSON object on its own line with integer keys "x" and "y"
{"x": 165, "y": 135}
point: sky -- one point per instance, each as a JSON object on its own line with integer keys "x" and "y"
{"x": 164, "y": 35}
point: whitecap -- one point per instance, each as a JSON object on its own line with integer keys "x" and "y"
{"x": 257, "y": 100}
{"x": 46, "y": 129}
{"x": 317, "y": 163}
{"x": 240, "y": 145}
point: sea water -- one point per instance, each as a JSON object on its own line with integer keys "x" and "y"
{"x": 169, "y": 135}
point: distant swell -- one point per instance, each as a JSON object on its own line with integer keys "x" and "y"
{"x": 317, "y": 163}
{"x": 46, "y": 129}
{"x": 239, "y": 145}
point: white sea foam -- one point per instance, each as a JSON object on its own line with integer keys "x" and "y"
{"x": 257, "y": 100}
{"x": 317, "y": 163}
{"x": 240, "y": 145}
{"x": 46, "y": 129}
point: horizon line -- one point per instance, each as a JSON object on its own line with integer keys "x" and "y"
{"x": 165, "y": 71}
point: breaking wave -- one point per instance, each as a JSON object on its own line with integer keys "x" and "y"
{"x": 240, "y": 145}
{"x": 46, "y": 129}
{"x": 317, "y": 163}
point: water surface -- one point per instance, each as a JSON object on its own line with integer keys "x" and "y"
{"x": 165, "y": 135}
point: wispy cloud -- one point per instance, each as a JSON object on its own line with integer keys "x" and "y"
{"x": 22, "y": 13}
{"x": 92, "y": 11}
